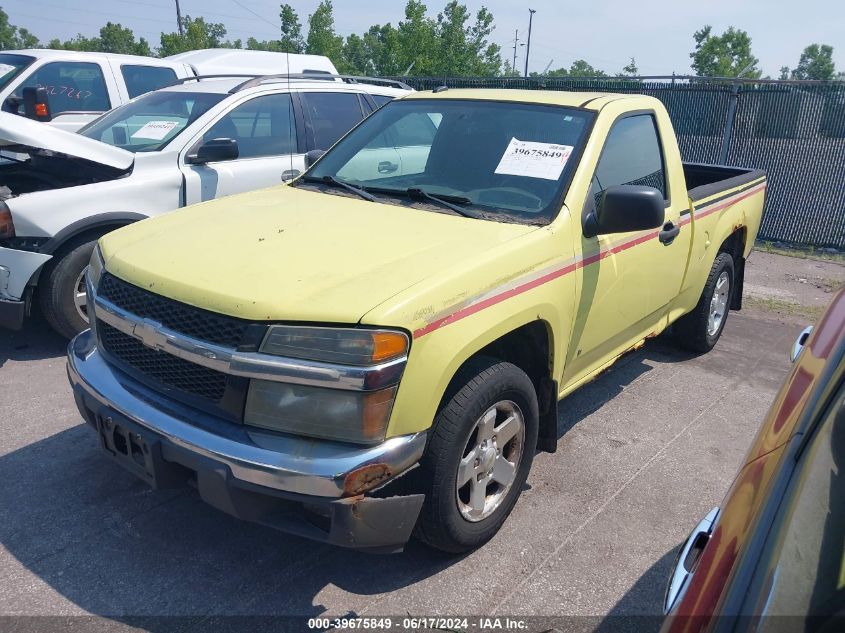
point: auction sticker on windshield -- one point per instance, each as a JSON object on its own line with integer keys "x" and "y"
{"x": 155, "y": 130}
{"x": 534, "y": 160}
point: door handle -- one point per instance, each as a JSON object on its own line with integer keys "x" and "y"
{"x": 290, "y": 174}
{"x": 386, "y": 167}
{"x": 668, "y": 233}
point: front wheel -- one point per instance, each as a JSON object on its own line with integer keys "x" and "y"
{"x": 62, "y": 290}
{"x": 478, "y": 457}
{"x": 700, "y": 329}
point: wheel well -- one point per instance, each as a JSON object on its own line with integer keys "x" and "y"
{"x": 72, "y": 241}
{"x": 529, "y": 348}
{"x": 734, "y": 245}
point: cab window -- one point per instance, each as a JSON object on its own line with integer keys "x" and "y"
{"x": 70, "y": 86}
{"x": 631, "y": 156}
{"x": 142, "y": 79}
{"x": 263, "y": 126}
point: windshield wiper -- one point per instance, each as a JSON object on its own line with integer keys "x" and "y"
{"x": 331, "y": 180}
{"x": 450, "y": 202}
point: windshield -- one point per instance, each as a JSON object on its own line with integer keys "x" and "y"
{"x": 151, "y": 121}
{"x": 11, "y": 66}
{"x": 496, "y": 160}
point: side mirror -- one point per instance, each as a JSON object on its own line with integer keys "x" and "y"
{"x": 214, "y": 151}
{"x": 313, "y": 156}
{"x": 35, "y": 105}
{"x": 624, "y": 208}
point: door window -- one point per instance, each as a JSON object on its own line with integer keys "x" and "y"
{"x": 330, "y": 115}
{"x": 806, "y": 554}
{"x": 263, "y": 126}
{"x": 631, "y": 156}
{"x": 141, "y": 79}
{"x": 70, "y": 86}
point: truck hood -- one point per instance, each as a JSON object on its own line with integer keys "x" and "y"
{"x": 20, "y": 134}
{"x": 289, "y": 254}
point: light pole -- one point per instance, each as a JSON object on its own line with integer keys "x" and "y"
{"x": 531, "y": 13}
{"x": 179, "y": 19}
{"x": 515, "y": 45}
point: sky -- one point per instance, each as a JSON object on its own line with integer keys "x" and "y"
{"x": 606, "y": 33}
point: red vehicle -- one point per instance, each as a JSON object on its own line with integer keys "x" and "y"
{"x": 772, "y": 558}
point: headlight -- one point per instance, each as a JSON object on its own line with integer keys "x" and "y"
{"x": 334, "y": 414}
{"x": 346, "y": 346}
{"x": 7, "y": 227}
{"x": 95, "y": 267}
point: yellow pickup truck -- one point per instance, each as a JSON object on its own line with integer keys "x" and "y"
{"x": 378, "y": 349}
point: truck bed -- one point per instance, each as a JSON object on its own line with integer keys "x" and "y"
{"x": 705, "y": 180}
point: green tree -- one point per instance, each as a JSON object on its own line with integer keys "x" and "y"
{"x": 115, "y": 38}
{"x": 784, "y": 72}
{"x": 197, "y": 34}
{"x": 466, "y": 50}
{"x": 725, "y": 55}
{"x": 816, "y": 63}
{"x": 291, "y": 40}
{"x": 356, "y": 56}
{"x": 322, "y": 39}
{"x": 581, "y": 68}
{"x": 631, "y": 70}
{"x": 12, "y": 37}
{"x": 415, "y": 40}
{"x": 381, "y": 43}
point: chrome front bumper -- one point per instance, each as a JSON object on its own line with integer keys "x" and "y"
{"x": 301, "y": 466}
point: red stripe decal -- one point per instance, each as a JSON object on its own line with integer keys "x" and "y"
{"x": 565, "y": 270}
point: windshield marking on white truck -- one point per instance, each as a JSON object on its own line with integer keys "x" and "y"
{"x": 155, "y": 130}
{"x": 529, "y": 282}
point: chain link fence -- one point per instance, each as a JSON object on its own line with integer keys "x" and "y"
{"x": 795, "y": 130}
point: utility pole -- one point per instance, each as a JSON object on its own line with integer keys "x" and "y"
{"x": 531, "y": 13}
{"x": 515, "y": 44}
{"x": 179, "y": 19}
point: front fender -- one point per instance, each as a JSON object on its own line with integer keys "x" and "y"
{"x": 437, "y": 355}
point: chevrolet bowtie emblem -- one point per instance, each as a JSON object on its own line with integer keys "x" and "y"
{"x": 149, "y": 333}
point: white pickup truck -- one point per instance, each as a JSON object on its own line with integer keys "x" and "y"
{"x": 187, "y": 143}
{"x": 79, "y": 86}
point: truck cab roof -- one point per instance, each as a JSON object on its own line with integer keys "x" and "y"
{"x": 51, "y": 54}
{"x": 586, "y": 100}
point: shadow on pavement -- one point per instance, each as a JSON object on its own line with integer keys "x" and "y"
{"x": 36, "y": 341}
{"x": 591, "y": 397}
{"x": 640, "y": 609}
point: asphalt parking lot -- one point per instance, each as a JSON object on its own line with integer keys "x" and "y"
{"x": 644, "y": 452}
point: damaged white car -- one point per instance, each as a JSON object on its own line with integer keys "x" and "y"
{"x": 179, "y": 145}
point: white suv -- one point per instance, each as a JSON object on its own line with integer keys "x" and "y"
{"x": 200, "y": 140}
{"x": 79, "y": 86}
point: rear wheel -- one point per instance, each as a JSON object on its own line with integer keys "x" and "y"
{"x": 479, "y": 455}
{"x": 62, "y": 290}
{"x": 700, "y": 329}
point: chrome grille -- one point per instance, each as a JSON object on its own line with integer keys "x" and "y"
{"x": 195, "y": 322}
{"x": 166, "y": 369}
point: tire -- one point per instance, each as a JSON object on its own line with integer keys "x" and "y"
{"x": 58, "y": 289}
{"x": 695, "y": 331}
{"x": 448, "y": 521}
